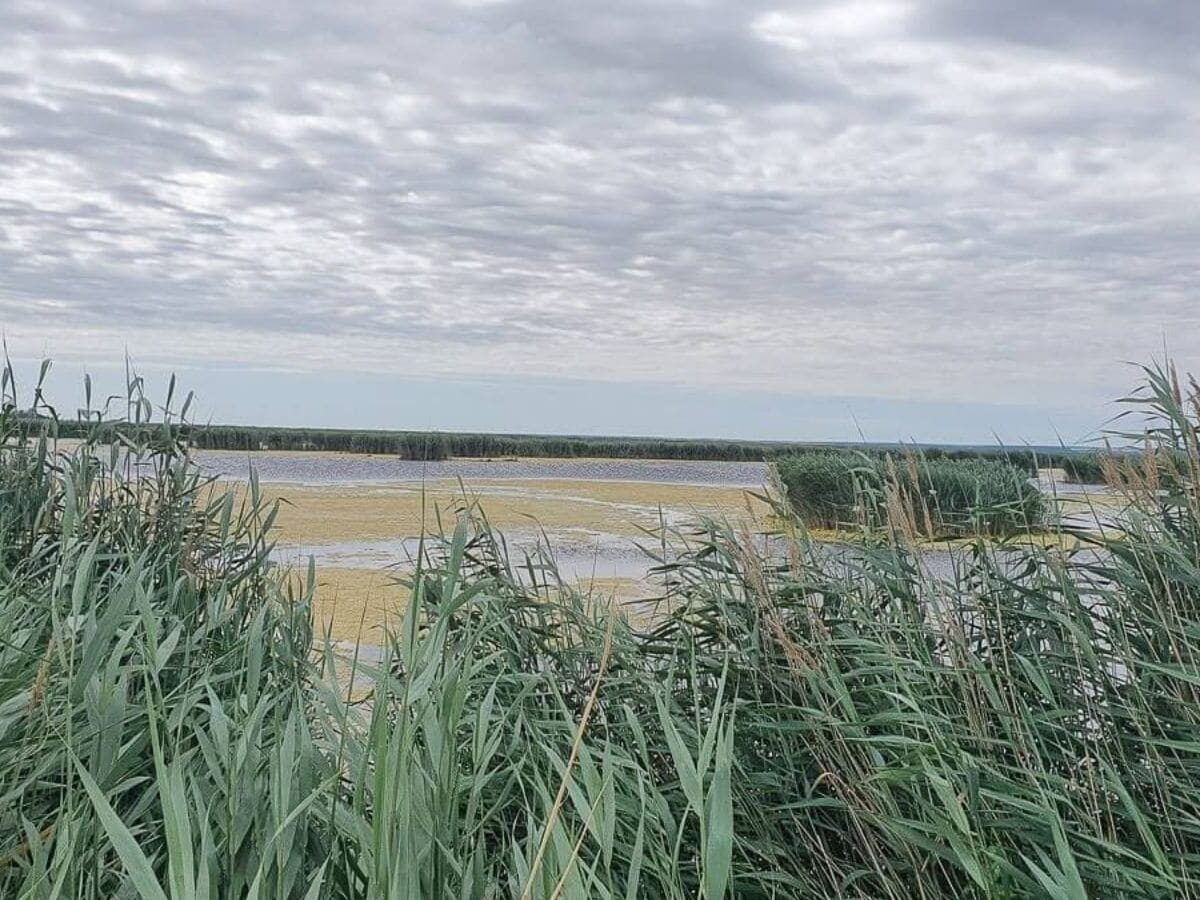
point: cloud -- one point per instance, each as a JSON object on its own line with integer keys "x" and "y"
{"x": 888, "y": 198}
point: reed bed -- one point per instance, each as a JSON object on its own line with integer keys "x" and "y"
{"x": 1085, "y": 468}
{"x": 795, "y": 722}
{"x": 934, "y": 497}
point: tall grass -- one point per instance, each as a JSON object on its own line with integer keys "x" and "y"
{"x": 1085, "y": 468}
{"x": 933, "y": 497}
{"x": 792, "y": 723}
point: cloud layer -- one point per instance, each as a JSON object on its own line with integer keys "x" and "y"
{"x": 967, "y": 201}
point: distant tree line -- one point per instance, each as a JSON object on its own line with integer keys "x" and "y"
{"x": 1082, "y": 466}
{"x": 405, "y": 444}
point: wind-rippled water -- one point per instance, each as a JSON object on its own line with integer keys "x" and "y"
{"x": 320, "y": 468}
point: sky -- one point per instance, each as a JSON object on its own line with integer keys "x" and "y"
{"x": 939, "y": 220}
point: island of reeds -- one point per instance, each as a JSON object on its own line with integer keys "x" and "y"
{"x": 794, "y": 721}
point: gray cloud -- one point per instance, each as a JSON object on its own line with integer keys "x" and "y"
{"x": 935, "y": 200}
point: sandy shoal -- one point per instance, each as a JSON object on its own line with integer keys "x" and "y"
{"x": 354, "y": 604}
{"x": 341, "y": 513}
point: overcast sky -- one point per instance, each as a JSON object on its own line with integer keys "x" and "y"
{"x": 932, "y": 219}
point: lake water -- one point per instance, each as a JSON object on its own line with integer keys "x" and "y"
{"x": 578, "y": 555}
{"x": 330, "y": 468}
{"x": 578, "y": 558}
{"x": 323, "y": 468}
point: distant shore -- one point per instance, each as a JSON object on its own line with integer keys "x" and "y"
{"x": 440, "y": 445}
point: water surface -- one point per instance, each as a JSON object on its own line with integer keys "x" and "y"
{"x": 329, "y": 468}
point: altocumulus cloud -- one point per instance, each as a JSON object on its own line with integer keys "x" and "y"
{"x": 962, "y": 201}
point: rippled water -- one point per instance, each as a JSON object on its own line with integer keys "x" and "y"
{"x": 578, "y": 555}
{"x": 584, "y": 556}
{"x": 319, "y": 468}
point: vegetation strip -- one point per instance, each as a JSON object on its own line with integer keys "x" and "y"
{"x": 1077, "y": 464}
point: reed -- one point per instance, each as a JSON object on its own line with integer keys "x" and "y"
{"x": 1085, "y": 468}
{"x": 938, "y": 497}
{"x": 796, "y": 721}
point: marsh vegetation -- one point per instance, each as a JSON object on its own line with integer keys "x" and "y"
{"x": 934, "y": 498}
{"x": 170, "y": 725}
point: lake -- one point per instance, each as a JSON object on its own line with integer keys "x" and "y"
{"x": 315, "y": 468}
